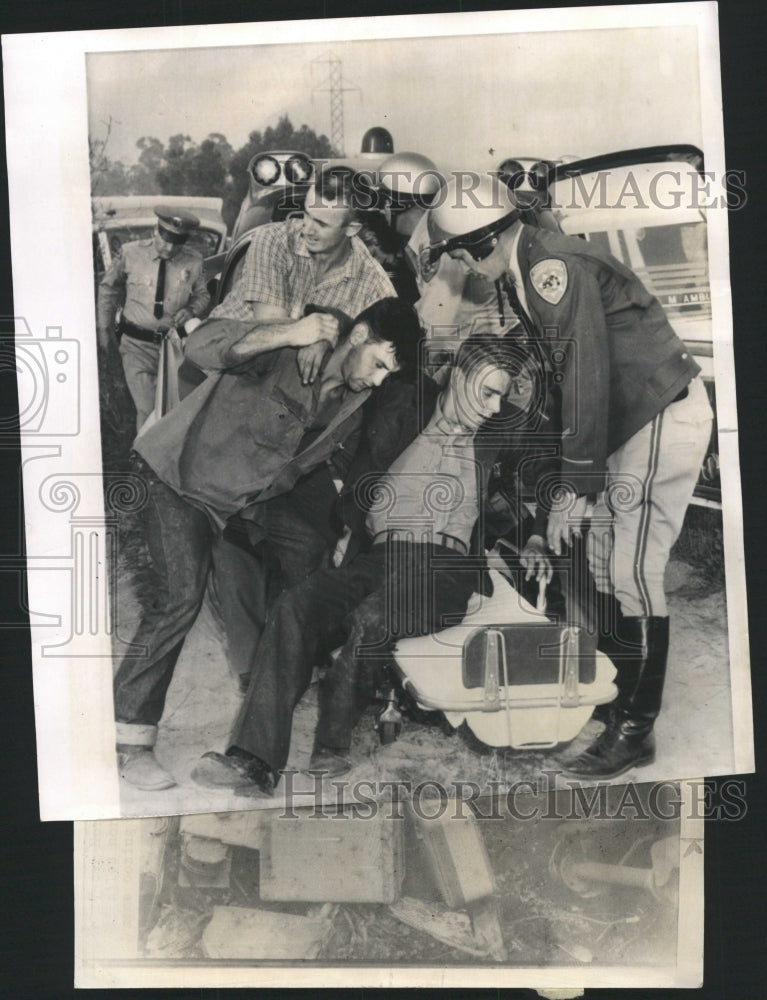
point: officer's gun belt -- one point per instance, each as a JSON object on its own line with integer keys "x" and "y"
{"x": 139, "y": 333}
{"x": 148, "y": 336}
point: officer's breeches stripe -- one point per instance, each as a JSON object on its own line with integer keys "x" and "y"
{"x": 644, "y": 520}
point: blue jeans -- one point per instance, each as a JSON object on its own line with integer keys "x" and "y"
{"x": 183, "y": 547}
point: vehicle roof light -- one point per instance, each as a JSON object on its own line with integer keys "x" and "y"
{"x": 266, "y": 170}
{"x": 298, "y": 169}
{"x": 512, "y": 173}
{"x": 538, "y": 175}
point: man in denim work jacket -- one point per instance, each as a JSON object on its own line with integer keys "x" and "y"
{"x": 228, "y": 468}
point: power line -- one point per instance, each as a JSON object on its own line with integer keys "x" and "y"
{"x": 335, "y": 85}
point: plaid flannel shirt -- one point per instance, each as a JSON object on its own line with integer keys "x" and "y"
{"x": 279, "y": 271}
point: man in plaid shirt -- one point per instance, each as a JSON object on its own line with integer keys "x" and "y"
{"x": 242, "y": 471}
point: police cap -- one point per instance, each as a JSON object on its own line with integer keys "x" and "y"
{"x": 175, "y": 224}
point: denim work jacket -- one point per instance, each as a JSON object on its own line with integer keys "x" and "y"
{"x": 232, "y": 441}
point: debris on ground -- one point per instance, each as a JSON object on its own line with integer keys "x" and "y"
{"x": 449, "y": 926}
{"x": 240, "y": 932}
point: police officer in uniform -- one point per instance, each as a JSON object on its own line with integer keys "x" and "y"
{"x": 159, "y": 283}
{"x": 636, "y": 422}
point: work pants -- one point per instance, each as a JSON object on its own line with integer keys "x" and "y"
{"x": 140, "y": 363}
{"x": 183, "y": 547}
{"x": 412, "y": 589}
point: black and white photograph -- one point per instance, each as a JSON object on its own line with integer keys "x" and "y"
{"x": 527, "y": 890}
{"x": 316, "y": 761}
{"x": 392, "y": 436}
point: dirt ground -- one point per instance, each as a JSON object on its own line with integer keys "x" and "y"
{"x": 541, "y": 916}
{"x": 694, "y": 731}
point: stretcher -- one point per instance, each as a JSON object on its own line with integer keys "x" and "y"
{"x": 515, "y": 677}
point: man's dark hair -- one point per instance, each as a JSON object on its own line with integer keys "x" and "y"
{"x": 340, "y": 183}
{"x": 479, "y": 350}
{"x": 394, "y": 320}
{"x": 345, "y": 322}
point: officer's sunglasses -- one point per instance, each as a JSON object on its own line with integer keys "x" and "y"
{"x": 170, "y": 237}
{"x": 479, "y": 244}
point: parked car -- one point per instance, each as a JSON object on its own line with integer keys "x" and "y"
{"x": 118, "y": 220}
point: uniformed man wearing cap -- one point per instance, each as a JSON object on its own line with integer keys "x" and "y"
{"x": 635, "y": 421}
{"x": 159, "y": 283}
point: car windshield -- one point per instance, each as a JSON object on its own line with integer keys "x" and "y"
{"x": 648, "y": 215}
{"x": 672, "y": 261}
{"x": 205, "y": 241}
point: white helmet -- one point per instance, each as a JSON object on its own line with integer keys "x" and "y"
{"x": 471, "y": 210}
{"x": 407, "y": 179}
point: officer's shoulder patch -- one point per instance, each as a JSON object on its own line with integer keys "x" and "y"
{"x": 549, "y": 279}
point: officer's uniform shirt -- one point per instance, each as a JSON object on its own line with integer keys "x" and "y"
{"x": 611, "y": 348}
{"x": 635, "y": 416}
{"x": 516, "y": 273}
{"x": 134, "y": 275}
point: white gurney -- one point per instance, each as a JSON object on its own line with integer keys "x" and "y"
{"x": 515, "y": 677}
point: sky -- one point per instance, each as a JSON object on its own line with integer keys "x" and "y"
{"x": 465, "y": 101}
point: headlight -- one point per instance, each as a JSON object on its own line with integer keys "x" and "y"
{"x": 266, "y": 170}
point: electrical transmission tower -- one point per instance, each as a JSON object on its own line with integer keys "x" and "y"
{"x": 335, "y": 85}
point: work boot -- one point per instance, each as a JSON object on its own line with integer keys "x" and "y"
{"x": 139, "y": 767}
{"x": 627, "y": 740}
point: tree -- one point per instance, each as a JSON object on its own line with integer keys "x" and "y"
{"x": 142, "y": 176}
{"x": 196, "y": 170}
{"x": 106, "y": 177}
{"x": 111, "y": 179}
{"x": 171, "y": 173}
{"x": 211, "y": 169}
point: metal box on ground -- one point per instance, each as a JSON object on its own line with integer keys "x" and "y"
{"x": 340, "y": 859}
{"x": 456, "y": 856}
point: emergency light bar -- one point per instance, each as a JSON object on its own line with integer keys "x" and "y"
{"x": 268, "y": 169}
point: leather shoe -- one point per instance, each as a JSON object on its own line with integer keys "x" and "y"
{"x": 328, "y": 761}
{"x": 140, "y": 768}
{"x": 248, "y": 777}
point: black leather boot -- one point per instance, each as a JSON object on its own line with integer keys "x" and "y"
{"x": 611, "y": 640}
{"x": 627, "y": 741}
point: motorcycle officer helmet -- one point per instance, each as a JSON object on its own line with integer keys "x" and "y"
{"x": 469, "y": 217}
{"x": 406, "y": 180}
